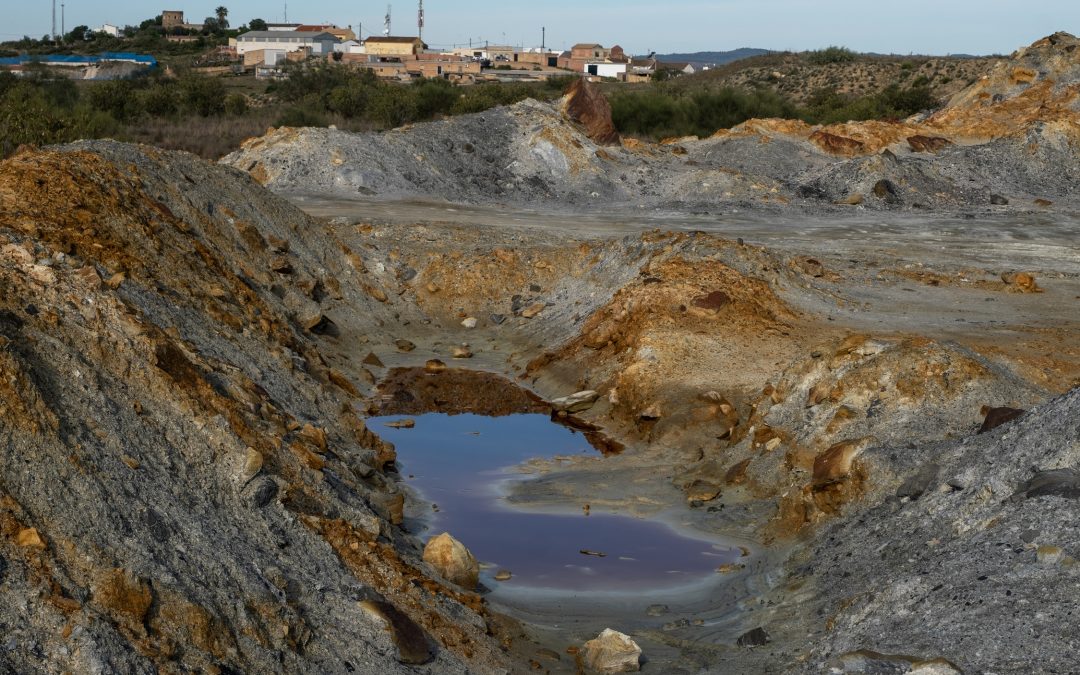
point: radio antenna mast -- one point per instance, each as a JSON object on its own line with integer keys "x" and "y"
{"x": 386, "y": 23}
{"x": 420, "y": 20}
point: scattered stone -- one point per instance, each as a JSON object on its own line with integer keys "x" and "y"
{"x": 729, "y": 568}
{"x": 549, "y": 654}
{"x": 773, "y": 443}
{"x": 1043, "y": 203}
{"x": 995, "y": 417}
{"x": 754, "y": 638}
{"x": 497, "y": 319}
{"x": 263, "y": 491}
{"x": 404, "y": 345}
{"x": 253, "y": 463}
{"x": 29, "y": 538}
{"x": 401, "y": 424}
{"x": 462, "y": 351}
{"x": 998, "y": 200}
{"x": 612, "y": 652}
{"x": 469, "y": 322}
{"x": 702, "y": 491}
{"x": 532, "y": 310}
{"x": 657, "y": 610}
{"x": 852, "y": 199}
{"x": 434, "y": 366}
{"x": 281, "y": 265}
{"x": 596, "y": 554}
{"x": 579, "y": 402}
{"x": 1049, "y": 555}
{"x": 373, "y": 360}
{"x": 503, "y": 575}
{"x": 1021, "y": 282}
{"x": 452, "y": 561}
{"x": 115, "y": 280}
{"x": 432, "y": 287}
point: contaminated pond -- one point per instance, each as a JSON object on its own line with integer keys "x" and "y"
{"x": 461, "y": 463}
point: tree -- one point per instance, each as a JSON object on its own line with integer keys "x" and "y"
{"x": 77, "y": 34}
{"x": 222, "y": 13}
{"x": 257, "y": 24}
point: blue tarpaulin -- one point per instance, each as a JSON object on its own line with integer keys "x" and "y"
{"x": 79, "y": 60}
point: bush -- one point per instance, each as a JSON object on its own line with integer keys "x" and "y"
{"x": 830, "y": 55}
{"x": 118, "y": 98}
{"x": 300, "y": 116}
{"x": 348, "y": 101}
{"x": 203, "y": 96}
{"x": 236, "y": 104}
{"x": 433, "y": 97}
{"x": 160, "y": 100}
{"x": 392, "y": 106}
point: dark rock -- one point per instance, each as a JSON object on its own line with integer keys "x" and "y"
{"x": 919, "y": 482}
{"x": 657, "y": 610}
{"x": 1054, "y": 483}
{"x": 995, "y": 417}
{"x": 372, "y": 360}
{"x": 497, "y": 319}
{"x": 263, "y": 492}
{"x": 404, "y": 345}
{"x": 998, "y": 200}
{"x": 754, "y": 638}
{"x": 886, "y": 190}
{"x": 811, "y": 192}
{"x": 325, "y": 326}
{"x": 159, "y": 529}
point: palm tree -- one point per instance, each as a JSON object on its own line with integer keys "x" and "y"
{"x": 222, "y": 12}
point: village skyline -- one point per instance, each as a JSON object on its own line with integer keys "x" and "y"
{"x": 924, "y": 27}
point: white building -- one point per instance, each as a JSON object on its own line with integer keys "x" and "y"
{"x": 290, "y": 41}
{"x": 350, "y": 47}
{"x": 604, "y": 69}
{"x": 110, "y": 29}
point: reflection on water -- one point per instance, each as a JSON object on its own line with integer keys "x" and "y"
{"x": 457, "y": 462}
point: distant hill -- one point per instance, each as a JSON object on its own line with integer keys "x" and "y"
{"x": 712, "y": 58}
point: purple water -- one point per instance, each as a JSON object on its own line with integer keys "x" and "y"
{"x": 457, "y": 462}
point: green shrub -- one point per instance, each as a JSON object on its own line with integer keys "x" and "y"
{"x": 236, "y": 105}
{"x": 830, "y": 55}
{"x": 392, "y": 106}
{"x": 300, "y": 116}
{"x": 203, "y": 96}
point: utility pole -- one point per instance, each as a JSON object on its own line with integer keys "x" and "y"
{"x": 286, "y": 20}
{"x": 63, "y": 28}
{"x": 54, "y": 20}
{"x": 420, "y": 21}
{"x": 543, "y": 39}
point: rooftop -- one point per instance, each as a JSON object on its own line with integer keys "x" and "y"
{"x": 251, "y": 34}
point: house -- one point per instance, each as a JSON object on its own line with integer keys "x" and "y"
{"x": 589, "y": 51}
{"x": 394, "y": 47}
{"x": 282, "y": 26}
{"x": 340, "y": 33}
{"x": 171, "y": 18}
{"x": 110, "y": 30}
{"x": 606, "y": 69}
{"x": 290, "y": 41}
{"x": 641, "y": 69}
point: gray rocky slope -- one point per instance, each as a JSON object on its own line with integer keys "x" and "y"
{"x": 1011, "y": 135}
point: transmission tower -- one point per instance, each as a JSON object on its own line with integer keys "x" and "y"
{"x": 386, "y": 23}
{"x": 420, "y": 20}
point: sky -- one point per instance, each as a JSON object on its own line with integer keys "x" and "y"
{"x": 639, "y": 26}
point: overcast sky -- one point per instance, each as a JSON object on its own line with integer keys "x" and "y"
{"x": 640, "y": 26}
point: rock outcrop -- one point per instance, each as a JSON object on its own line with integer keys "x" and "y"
{"x": 612, "y": 652}
{"x": 452, "y": 561}
{"x": 584, "y": 104}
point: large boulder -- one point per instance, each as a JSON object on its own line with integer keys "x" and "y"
{"x": 452, "y": 561}
{"x": 612, "y": 652}
{"x": 586, "y": 105}
{"x": 582, "y": 400}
